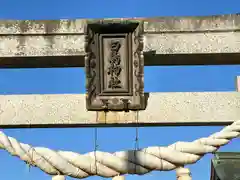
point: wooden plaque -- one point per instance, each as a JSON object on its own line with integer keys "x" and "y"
{"x": 114, "y": 65}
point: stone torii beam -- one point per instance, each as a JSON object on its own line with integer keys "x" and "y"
{"x": 167, "y": 41}
{"x": 211, "y": 40}
{"x": 164, "y": 109}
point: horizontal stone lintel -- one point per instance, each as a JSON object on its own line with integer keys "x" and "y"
{"x": 164, "y": 109}
{"x": 167, "y": 41}
{"x": 229, "y": 22}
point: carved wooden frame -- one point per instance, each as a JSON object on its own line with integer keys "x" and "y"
{"x": 123, "y": 88}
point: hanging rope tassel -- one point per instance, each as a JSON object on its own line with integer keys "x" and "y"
{"x": 118, "y": 178}
{"x": 183, "y": 174}
{"x": 58, "y": 177}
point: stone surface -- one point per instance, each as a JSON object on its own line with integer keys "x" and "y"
{"x": 193, "y": 43}
{"x": 59, "y": 45}
{"x": 167, "y": 43}
{"x": 197, "y": 108}
{"x": 163, "y": 36}
{"x": 39, "y": 27}
{"x": 229, "y": 22}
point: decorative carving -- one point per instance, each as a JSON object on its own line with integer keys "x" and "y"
{"x": 114, "y": 65}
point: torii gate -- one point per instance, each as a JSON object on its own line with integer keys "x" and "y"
{"x": 114, "y": 51}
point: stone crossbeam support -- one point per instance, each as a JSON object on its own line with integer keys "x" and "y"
{"x": 167, "y": 41}
{"x": 63, "y": 110}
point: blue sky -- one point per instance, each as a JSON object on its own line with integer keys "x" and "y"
{"x": 72, "y": 80}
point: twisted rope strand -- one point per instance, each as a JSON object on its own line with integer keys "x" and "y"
{"x": 107, "y": 164}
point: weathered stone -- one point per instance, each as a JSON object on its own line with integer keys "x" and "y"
{"x": 193, "y": 24}
{"x": 191, "y": 108}
{"x": 39, "y": 27}
{"x": 167, "y": 40}
{"x": 114, "y": 66}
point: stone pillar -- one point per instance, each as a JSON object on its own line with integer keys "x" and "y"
{"x": 118, "y": 178}
{"x": 58, "y": 177}
{"x": 183, "y": 174}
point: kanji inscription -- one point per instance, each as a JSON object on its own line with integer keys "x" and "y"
{"x": 114, "y": 65}
{"x": 114, "y": 69}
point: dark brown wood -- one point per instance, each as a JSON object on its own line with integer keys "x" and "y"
{"x": 114, "y": 65}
